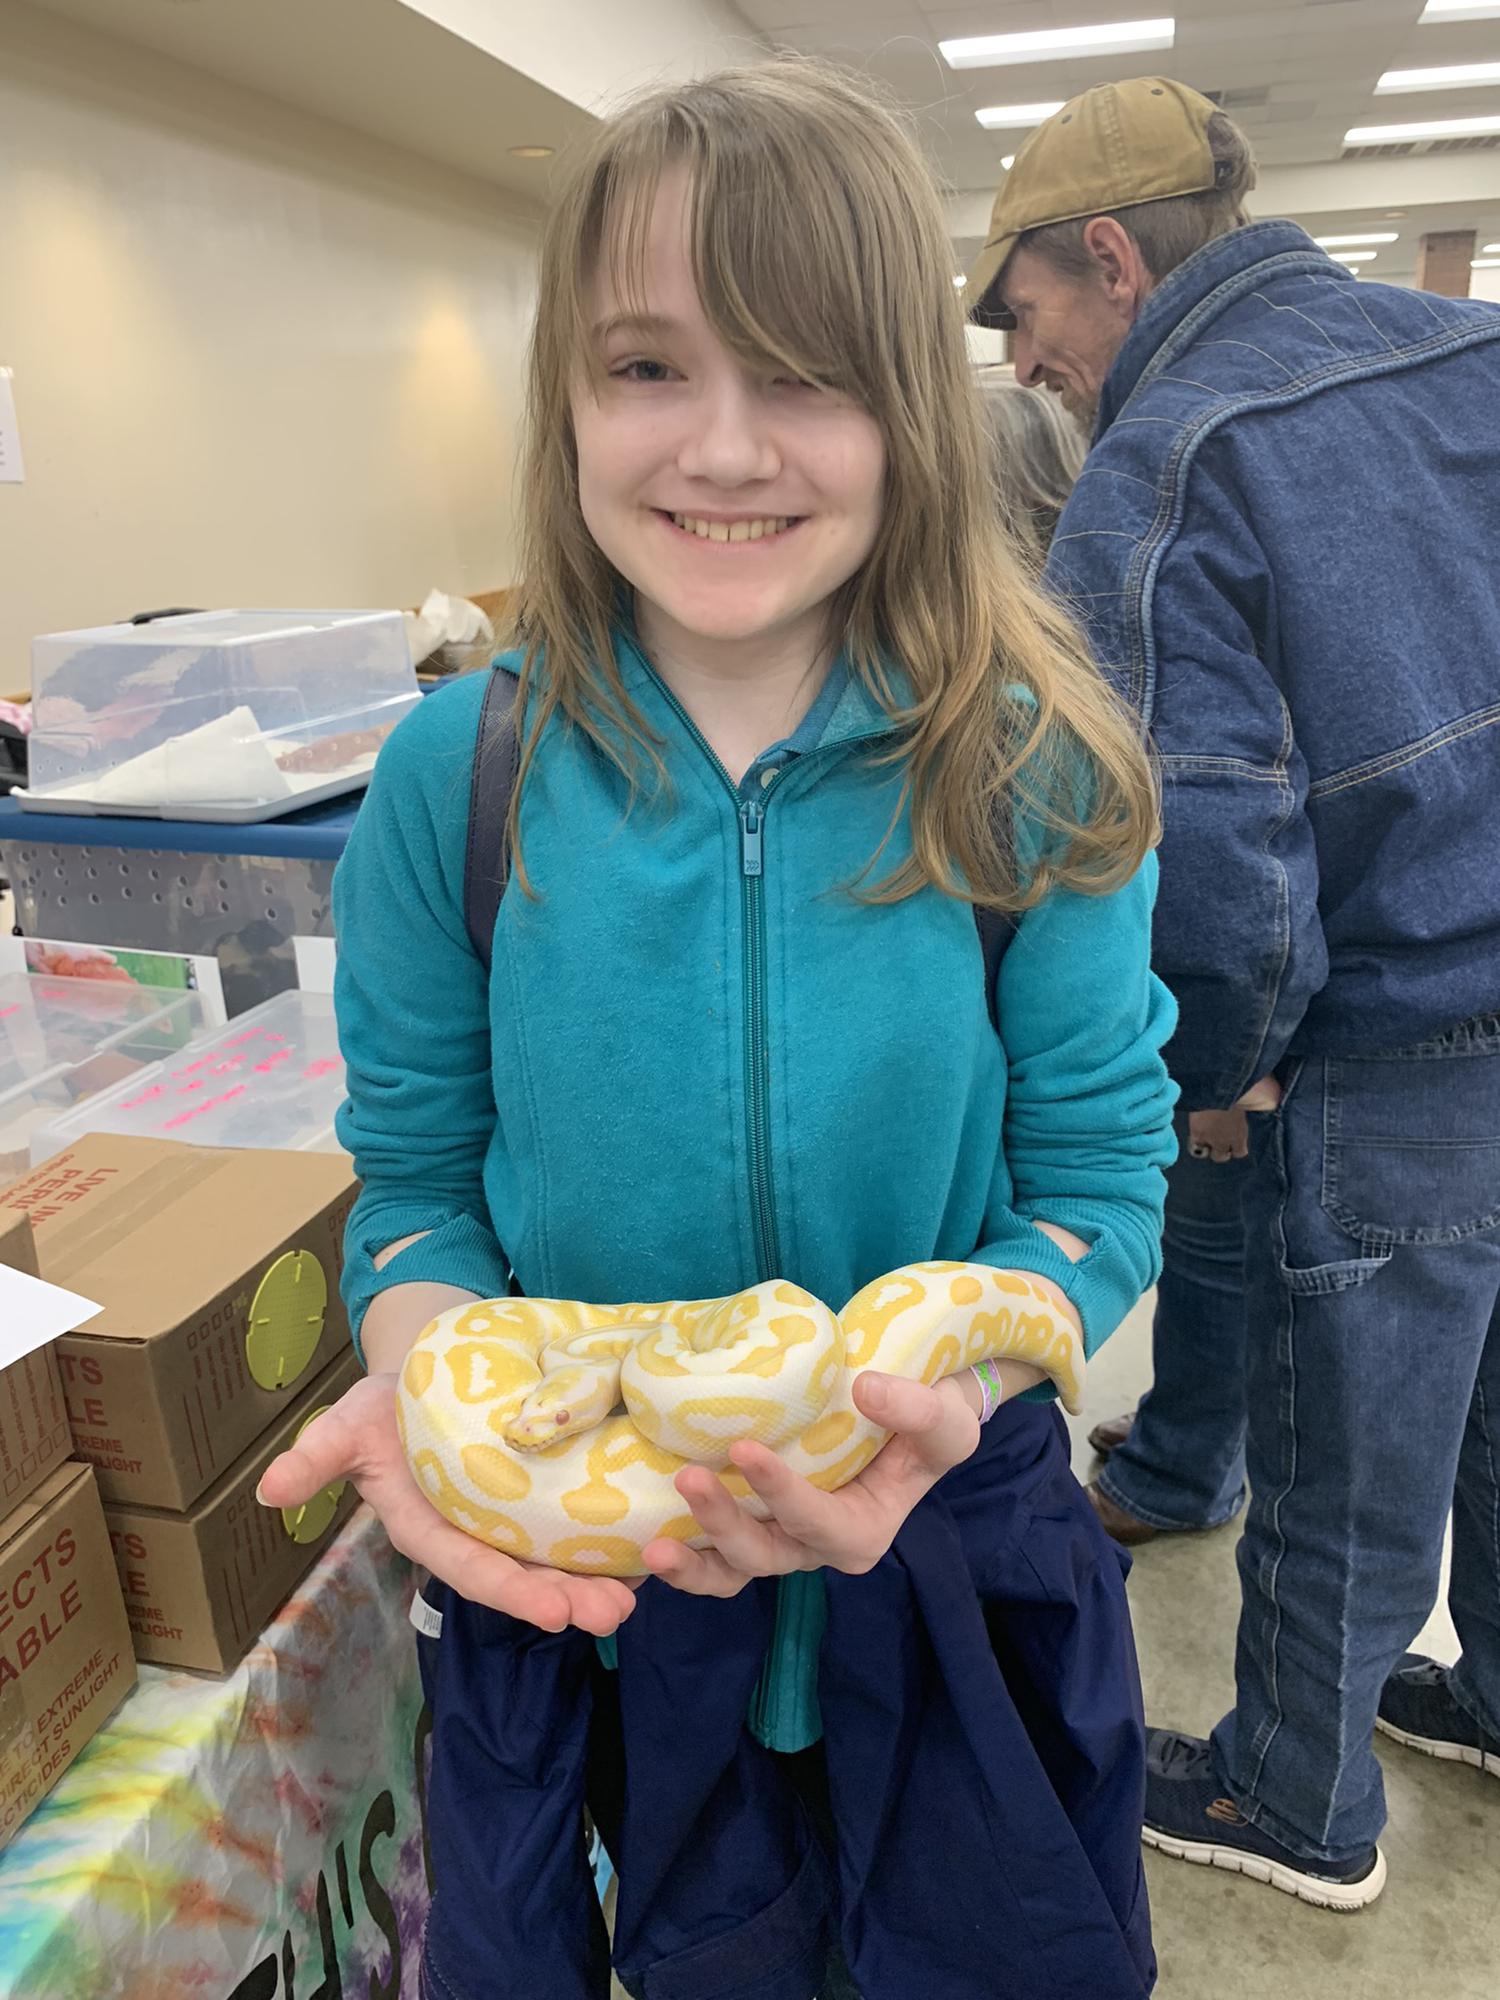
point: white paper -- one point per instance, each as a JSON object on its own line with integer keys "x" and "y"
{"x": 12, "y": 467}
{"x": 317, "y": 960}
{"x": 32, "y": 1313}
{"x": 226, "y": 759}
{"x": 207, "y": 981}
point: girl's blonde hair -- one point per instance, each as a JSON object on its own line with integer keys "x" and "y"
{"x": 818, "y": 246}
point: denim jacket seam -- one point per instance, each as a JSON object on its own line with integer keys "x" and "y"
{"x": 1240, "y": 767}
{"x": 1405, "y": 753}
{"x": 1271, "y": 988}
{"x": 1342, "y": 367}
{"x": 1143, "y": 567}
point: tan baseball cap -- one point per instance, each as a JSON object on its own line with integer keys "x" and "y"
{"x": 1116, "y": 145}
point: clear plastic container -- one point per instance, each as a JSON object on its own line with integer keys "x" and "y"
{"x": 218, "y": 715}
{"x": 273, "y": 1078}
{"x": 64, "y": 1040}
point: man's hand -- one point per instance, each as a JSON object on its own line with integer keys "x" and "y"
{"x": 1222, "y": 1136}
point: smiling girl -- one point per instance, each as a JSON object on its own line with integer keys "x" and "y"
{"x": 790, "y": 712}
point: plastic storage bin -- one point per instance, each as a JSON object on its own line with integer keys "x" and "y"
{"x": 273, "y": 1078}
{"x": 220, "y": 715}
{"x": 62, "y": 1040}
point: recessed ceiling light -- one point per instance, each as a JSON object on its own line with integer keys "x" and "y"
{"x": 960, "y": 281}
{"x": 1355, "y": 242}
{"x": 1007, "y": 163}
{"x": 532, "y": 152}
{"x": 1457, "y": 76}
{"x": 1356, "y": 256}
{"x": 1055, "y": 44}
{"x": 1427, "y": 128}
{"x": 998, "y": 117}
{"x": 1459, "y": 10}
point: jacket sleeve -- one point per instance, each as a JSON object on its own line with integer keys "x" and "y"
{"x": 412, "y": 1002}
{"x": 1238, "y": 937}
{"x": 1088, "y": 1120}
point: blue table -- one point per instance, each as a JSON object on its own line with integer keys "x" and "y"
{"x": 317, "y": 833}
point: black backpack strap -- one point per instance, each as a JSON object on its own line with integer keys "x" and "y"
{"x": 497, "y": 764}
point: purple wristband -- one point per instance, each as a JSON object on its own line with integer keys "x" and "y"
{"x": 991, "y": 1388}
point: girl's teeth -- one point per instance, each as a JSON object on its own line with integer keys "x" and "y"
{"x": 730, "y": 531}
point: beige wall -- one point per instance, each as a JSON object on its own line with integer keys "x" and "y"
{"x": 257, "y": 359}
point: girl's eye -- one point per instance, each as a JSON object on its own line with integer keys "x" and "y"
{"x": 640, "y": 371}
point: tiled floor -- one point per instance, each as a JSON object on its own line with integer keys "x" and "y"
{"x": 1435, "y": 1935}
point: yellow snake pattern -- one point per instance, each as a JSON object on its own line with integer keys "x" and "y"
{"x": 553, "y": 1430}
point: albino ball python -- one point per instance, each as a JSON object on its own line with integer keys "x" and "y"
{"x": 511, "y": 1411}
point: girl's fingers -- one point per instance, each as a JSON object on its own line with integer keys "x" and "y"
{"x": 817, "y": 1522}
{"x": 699, "y": 1572}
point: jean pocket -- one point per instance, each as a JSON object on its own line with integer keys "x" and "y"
{"x": 1412, "y": 1145}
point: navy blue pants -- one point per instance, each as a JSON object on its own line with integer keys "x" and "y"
{"x": 983, "y": 1757}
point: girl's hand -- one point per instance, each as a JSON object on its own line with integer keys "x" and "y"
{"x": 357, "y": 1439}
{"x": 934, "y": 1430}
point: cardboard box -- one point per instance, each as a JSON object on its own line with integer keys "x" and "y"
{"x": 218, "y": 1274}
{"x": 34, "y": 1434}
{"x": 65, "y": 1657}
{"x": 201, "y": 1587}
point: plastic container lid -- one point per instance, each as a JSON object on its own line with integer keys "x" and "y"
{"x": 222, "y": 715}
{"x": 64, "y": 1040}
{"x": 273, "y": 1078}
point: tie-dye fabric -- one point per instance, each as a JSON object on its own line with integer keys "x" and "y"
{"x": 253, "y": 1838}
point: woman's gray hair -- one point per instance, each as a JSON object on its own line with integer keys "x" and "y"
{"x": 1037, "y": 452}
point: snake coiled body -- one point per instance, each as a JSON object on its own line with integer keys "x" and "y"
{"x": 553, "y": 1430}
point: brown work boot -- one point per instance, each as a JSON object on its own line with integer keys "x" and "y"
{"x": 1111, "y": 1434}
{"x": 1117, "y": 1524}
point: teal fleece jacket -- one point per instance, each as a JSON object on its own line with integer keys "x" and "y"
{"x": 698, "y": 1061}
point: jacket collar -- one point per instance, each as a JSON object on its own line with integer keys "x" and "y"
{"x": 855, "y": 715}
{"x": 1198, "y": 291}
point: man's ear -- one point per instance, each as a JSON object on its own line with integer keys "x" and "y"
{"x": 1122, "y": 269}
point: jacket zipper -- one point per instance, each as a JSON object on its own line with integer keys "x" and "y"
{"x": 752, "y": 818}
{"x": 757, "y": 1055}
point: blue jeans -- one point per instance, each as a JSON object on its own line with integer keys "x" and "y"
{"x": 1183, "y": 1465}
{"x": 1372, "y": 1384}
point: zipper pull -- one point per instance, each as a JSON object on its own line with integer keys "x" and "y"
{"x": 752, "y": 818}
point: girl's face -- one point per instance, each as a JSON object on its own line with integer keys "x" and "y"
{"x": 736, "y": 501}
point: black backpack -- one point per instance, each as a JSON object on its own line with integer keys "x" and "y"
{"x": 497, "y": 764}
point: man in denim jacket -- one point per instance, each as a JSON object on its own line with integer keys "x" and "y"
{"x": 1286, "y": 547}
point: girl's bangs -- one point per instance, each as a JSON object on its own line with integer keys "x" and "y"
{"x": 785, "y": 300}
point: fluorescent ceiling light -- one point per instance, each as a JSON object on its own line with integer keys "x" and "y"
{"x": 1356, "y": 242}
{"x": 1459, "y": 10}
{"x": 1485, "y": 264}
{"x": 1110, "y": 39}
{"x": 999, "y": 117}
{"x": 1457, "y": 76}
{"x": 1490, "y": 250}
{"x": 1429, "y": 128}
{"x": 1356, "y": 256}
